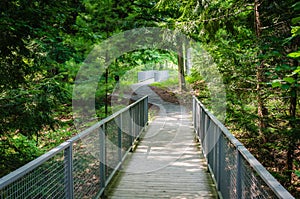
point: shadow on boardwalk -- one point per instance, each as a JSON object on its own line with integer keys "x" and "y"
{"x": 167, "y": 162}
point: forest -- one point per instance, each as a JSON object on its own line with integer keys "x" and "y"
{"x": 254, "y": 44}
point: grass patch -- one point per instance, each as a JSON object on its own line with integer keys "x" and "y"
{"x": 170, "y": 83}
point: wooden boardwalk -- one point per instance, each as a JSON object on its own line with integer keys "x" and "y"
{"x": 167, "y": 162}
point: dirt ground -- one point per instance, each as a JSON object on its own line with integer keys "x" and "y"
{"x": 174, "y": 96}
{"x": 166, "y": 95}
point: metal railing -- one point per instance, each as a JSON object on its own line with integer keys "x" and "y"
{"x": 161, "y": 75}
{"x": 145, "y": 75}
{"x": 158, "y": 75}
{"x": 83, "y": 166}
{"x": 235, "y": 171}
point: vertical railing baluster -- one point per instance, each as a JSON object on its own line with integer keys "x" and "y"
{"x": 194, "y": 113}
{"x": 199, "y": 115}
{"x": 142, "y": 116}
{"x": 146, "y": 110}
{"x": 216, "y": 150}
{"x": 220, "y": 162}
{"x": 102, "y": 156}
{"x": 68, "y": 161}
{"x": 120, "y": 127}
{"x": 133, "y": 122}
{"x": 139, "y": 118}
{"x": 136, "y": 127}
{"x": 203, "y": 124}
{"x": 130, "y": 128}
{"x": 238, "y": 174}
{"x": 200, "y": 120}
{"x": 194, "y": 116}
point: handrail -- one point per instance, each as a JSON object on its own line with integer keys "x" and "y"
{"x": 236, "y": 172}
{"x": 66, "y": 169}
{"x": 107, "y": 119}
{"x": 20, "y": 172}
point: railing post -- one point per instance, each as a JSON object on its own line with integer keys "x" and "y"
{"x": 133, "y": 122}
{"x": 102, "y": 156}
{"x": 194, "y": 113}
{"x": 120, "y": 127}
{"x": 216, "y": 150}
{"x": 130, "y": 128}
{"x": 139, "y": 118}
{"x": 200, "y": 125}
{"x": 202, "y": 120}
{"x": 68, "y": 161}
{"x": 142, "y": 116}
{"x": 220, "y": 162}
{"x": 146, "y": 110}
{"x": 198, "y": 119}
{"x": 136, "y": 111}
{"x": 204, "y": 133}
{"x": 238, "y": 174}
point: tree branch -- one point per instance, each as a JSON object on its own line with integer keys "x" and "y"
{"x": 220, "y": 17}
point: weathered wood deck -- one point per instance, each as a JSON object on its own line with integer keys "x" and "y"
{"x": 167, "y": 162}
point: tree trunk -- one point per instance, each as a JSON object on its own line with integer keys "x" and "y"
{"x": 293, "y": 102}
{"x": 257, "y": 19}
{"x": 188, "y": 58}
{"x": 292, "y": 140}
{"x": 180, "y": 67}
{"x": 261, "y": 109}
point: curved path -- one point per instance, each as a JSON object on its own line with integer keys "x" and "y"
{"x": 167, "y": 162}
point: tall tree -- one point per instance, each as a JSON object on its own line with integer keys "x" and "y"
{"x": 180, "y": 63}
{"x": 261, "y": 108}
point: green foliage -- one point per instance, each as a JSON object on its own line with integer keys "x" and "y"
{"x": 294, "y": 54}
{"x": 290, "y": 78}
{"x": 43, "y": 43}
{"x": 297, "y": 173}
{"x": 16, "y": 151}
{"x": 199, "y": 86}
{"x": 28, "y": 110}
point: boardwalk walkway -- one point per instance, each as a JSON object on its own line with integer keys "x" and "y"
{"x": 167, "y": 162}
